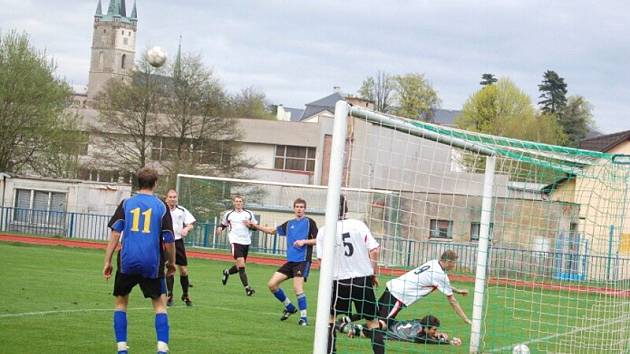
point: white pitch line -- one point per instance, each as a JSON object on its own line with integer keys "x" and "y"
{"x": 60, "y": 312}
{"x": 576, "y": 330}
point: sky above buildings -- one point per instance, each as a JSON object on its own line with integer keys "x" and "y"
{"x": 296, "y": 51}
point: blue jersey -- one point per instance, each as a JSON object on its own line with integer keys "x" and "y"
{"x": 298, "y": 229}
{"x": 145, "y": 224}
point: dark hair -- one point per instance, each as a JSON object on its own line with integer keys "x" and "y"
{"x": 235, "y": 196}
{"x": 171, "y": 190}
{"x": 429, "y": 321}
{"x": 343, "y": 206}
{"x": 147, "y": 177}
{"x": 299, "y": 201}
{"x": 449, "y": 255}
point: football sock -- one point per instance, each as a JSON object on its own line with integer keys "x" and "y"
{"x": 376, "y": 336}
{"x": 120, "y": 326}
{"x": 161, "y": 327}
{"x": 301, "y": 298}
{"x": 332, "y": 338}
{"x": 279, "y": 294}
{"x": 183, "y": 280}
{"x": 169, "y": 284}
{"x": 233, "y": 270}
{"x": 243, "y": 276}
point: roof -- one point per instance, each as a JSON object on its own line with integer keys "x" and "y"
{"x": 605, "y": 143}
{"x": 323, "y": 104}
{"x": 296, "y": 113}
{"x": 117, "y": 10}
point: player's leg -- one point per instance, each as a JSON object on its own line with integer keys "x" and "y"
{"x": 182, "y": 263}
{"x": 156, "y": 290}
{"x": 123, "y": 284}
{"x": 298, "y": 286}
{"x": 366, "y": 305}
{"x": 169, "y": 287}
{"x": 241, "y": 259}
{"x": 274, "y": 286}
{"x": 339, "y": 304}
{"x": 232, "y": 270}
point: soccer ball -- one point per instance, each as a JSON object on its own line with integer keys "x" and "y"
{"x": 156, "y": 56}
{"x": 520, "y": 349}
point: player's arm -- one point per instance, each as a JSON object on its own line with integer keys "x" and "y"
{"x": 458, "y": 309}
{"x": 116, "y": 224}
{"x": 374, "y": 261}
{"x": 311, "y": 239}
{"x": 266, "y": 229}
{"x": 222, "y": 225}
{"x": 168, "y": 236}
{"x": 462, "y": 292}
{"x": 114, "y": 237}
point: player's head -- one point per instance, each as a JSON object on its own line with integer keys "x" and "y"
{"x": 299, "y": 206}
{"x": 343, "y": 206}
{"x": 448, "y": 259}
{"x": 171, "y": 198}
{"x": 237, "y": 201}
{"x": 147, "y": 178}
{"x": 430, "y": 325}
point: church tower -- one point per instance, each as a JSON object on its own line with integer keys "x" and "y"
{"x": 113, "y": 45}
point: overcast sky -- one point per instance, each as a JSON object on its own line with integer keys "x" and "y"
{"x": 296, "y": 51}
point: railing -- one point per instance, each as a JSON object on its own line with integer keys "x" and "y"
{"x": 395, "y": 252}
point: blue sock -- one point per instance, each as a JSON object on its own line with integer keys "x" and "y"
{"x": 161, "y": 327}
{"x": 120, "y": 325}
{"x": 279, "y": 294}
{"x": 301, "y": 298}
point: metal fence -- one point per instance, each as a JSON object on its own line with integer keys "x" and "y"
{"x": 395, "y": 252}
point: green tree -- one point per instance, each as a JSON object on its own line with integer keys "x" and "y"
{"x": 487, "y": 79}
{"x": 576, "y": 120}
{"x": 36, "y": 133}
{"x": 380, "y": 90}
{"x": 415, "y": 97}
{"x": 249, "y": 103}
{"x": 503, "y": 109}
{"x": 553, "y": 91}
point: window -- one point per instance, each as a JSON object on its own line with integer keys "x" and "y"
{"x": 123, "y": 58}
{"x": 125, "y": 41}
{"x": 441, "y": 229}
{"x": 475, "y": 229}
{"x": 39, "y": 207}
{"x": 295, "y": 158}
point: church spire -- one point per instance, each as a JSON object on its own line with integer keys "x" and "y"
{"x": 117, "y": 8}
{"x": 177, "y": 70}
{"x": 134, "y": 12}
{"x": 99, "y": 10}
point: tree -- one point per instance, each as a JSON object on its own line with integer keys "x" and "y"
{"x": 553, "y": 91}
{"x": 249, "y": 103}
{"x": 503, "y": 109}
{"x": 487, "y": 79}
{"x": 36, "y": 134}
{"x": 129, "y": 118}
{"x": 378, "y": 89}
{"x": 576, "y": 120}
{"x": 415, "y": 97}
{"x": 201, "y": 138}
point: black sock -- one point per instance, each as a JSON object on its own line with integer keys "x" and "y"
{"x": 243, "y": 275}
{"x": 183, "y": 280}
{"x": 377, "y": 337}
{"x": 233, "y": 270}
{"x": 169, "y": 284}
{"x": 332, "y": 339}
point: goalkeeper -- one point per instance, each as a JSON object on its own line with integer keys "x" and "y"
{"x": 420, "y": 331}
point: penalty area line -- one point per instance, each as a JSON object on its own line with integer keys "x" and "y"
{"x": 60, "y": 312}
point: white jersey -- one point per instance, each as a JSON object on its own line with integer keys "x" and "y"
{"x": 420, "y": 282}
{"x": 234, "y": 221}
{"x": 181, "y": 218}
{"x": 353, "y": 243}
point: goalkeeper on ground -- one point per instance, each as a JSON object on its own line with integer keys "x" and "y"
{"x": 421, "y": 331}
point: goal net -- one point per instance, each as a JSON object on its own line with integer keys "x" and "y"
{"x": 542, "y": 232}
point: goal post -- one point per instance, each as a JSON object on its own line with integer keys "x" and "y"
{"x": 542, "y": 231}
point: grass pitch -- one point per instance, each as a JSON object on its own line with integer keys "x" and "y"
{"x": 55, "y": 300}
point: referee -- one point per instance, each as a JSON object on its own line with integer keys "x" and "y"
{"x": 183, "y": 222}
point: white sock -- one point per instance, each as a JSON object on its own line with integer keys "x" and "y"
{"x": 162, "y": 347}
{"x": 122, "y": 346}
{"x": 303, "y": 313}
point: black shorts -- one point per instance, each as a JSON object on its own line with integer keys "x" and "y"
{"x": 389, "y": 305}
{"x": 357, "y": 291}
{"x": 239, "y": 250}
{"x": 295, "y": 269}
{"x": 180, "y": 253}
{"x": 124, "y": 283}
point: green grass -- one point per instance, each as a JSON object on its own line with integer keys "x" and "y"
{"x": 56, "y": 301}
